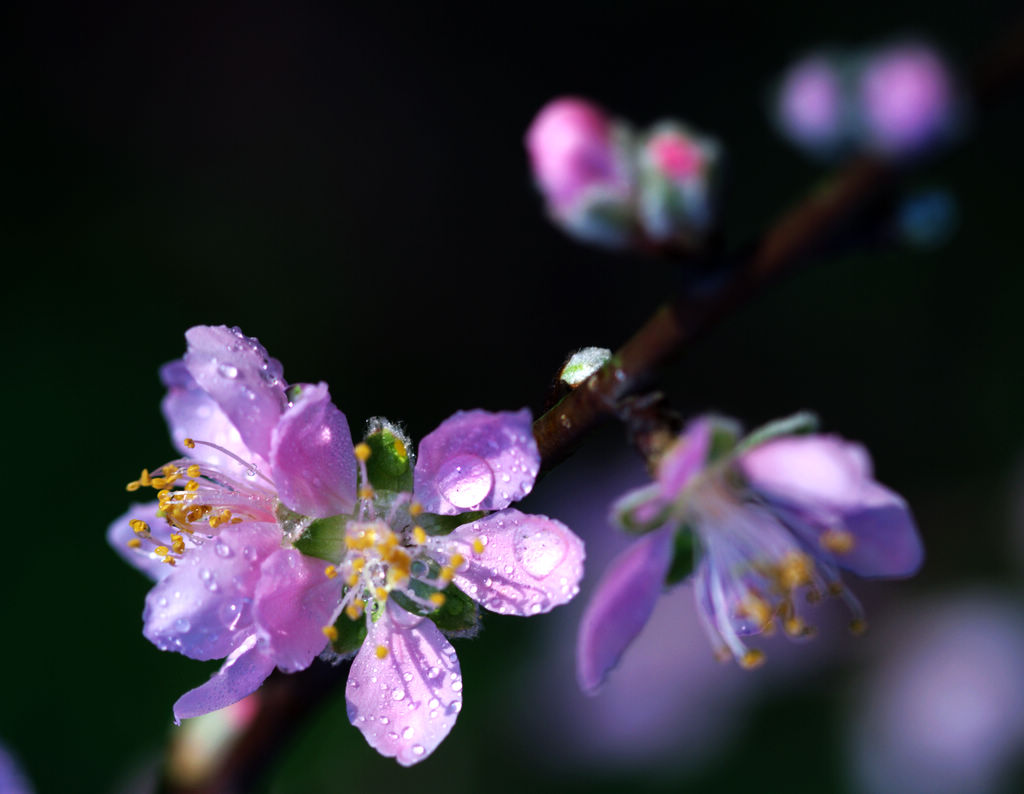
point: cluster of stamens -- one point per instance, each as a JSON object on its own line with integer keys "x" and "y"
{"x": 393, "y": 553}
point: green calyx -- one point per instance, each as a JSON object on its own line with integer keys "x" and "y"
{"x": 389, "y": 467}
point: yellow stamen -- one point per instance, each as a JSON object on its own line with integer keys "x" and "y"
{"x": 355, "y": 609}
{"x": 381, "y": 593}
{"x": 134, "y": 543}
{"x": 858, "y": 626}
{"x": 456, "y": 561}
{"x": 138, "y": 526}
{"x": 415, "y": 508}
{"x": 192, "y": 485}
{"x": 366, "y": 492}
{"x": 478, "y": 546}
{"x": 838, "y": 541}
{"x": 353, "y": 580}
{"x": 169, "y": 560}
{"x": 437, "y": 599}
{"x": 193, "y": 470}
{"x": 159, "y": 482}
{"x": 400, "y": 448}
{"x": 133, "y": 486}
{"x": 419, "y": 536}
{"x": 358, "y": 563}
{"x": 161, "y": 550}
{"x": 382, "y": 651}
{"x": 795, "y": 570}
{"x": 330, "y": 571}
{"x": 751, "y": 659}
{"x": 447, "y": 573}
{"x": 144, "y": 478}
{"x": 330, "y": 633}
{"x": 362, "y": 451}
{"x": 189, "y": 443}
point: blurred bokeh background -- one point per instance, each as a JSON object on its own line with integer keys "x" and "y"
{"x": 350, "y": 186}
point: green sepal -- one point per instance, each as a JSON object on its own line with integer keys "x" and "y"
{"x": 798, "y": 424}
{"x": 725, "y": 435}
{"x": 389, "y": 467}
{"x": 293, "y": 392}
{"x": 624, "y": 510}
{"x": 684, "y": 556}
{"x": 459, "y": 615}
{"x": 291, "y": 523}
{"x": 351, "y": 634}
{"x": 407, "y": 603}
{"x": 325, "y": 538}
{"x": 444, "y": 525}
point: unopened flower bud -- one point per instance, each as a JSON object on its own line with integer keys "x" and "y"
{"x": 581, "y": 165}
{"x": 677, "y": 183}
{"x": 810, "y": 105}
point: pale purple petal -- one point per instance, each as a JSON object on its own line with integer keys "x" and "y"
{"x": 240, "y": 675}
{"x": 477, "y": 460}
{"x": 886, "y": 541}
{"x": 143, "y": 558}
{"x": 530, "y": 563}
{"x": 204, "y": 608}
{"x": 406, "y": 702}
{"x": 192, "y": 413}
{"x": 236, "y": 371}
{"x": 12, "y": 779}
{"x": 311, "y": 456}
{"x": 621, "y": 605}
{"x": 686, "y": 458}
{"x": 294, "y": 601}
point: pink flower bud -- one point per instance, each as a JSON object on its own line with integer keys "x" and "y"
{"x": 810, "y": 104}
{"x": 908, "y": 100}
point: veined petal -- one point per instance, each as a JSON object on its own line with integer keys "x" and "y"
{"x": 203, "y": 609}
{"x": 192, "y": 413}
{"x": 311, "y": 456}
{"x": 120, "y": 533}
{"x": 404, "y": 691}
{"x": 529, "y": 564}
{"x": 294, "y": 601}
{"x": 686, "y": 457}
{"x": 240, "y": 675}
{"x": 237, "y": 372}
{"x": 621, "y": 605}
{"x": 477, "y": 460}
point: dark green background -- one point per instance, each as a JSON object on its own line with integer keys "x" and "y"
{"x": 349, "y": 186}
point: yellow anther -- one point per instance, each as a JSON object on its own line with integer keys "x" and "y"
{"x": 355, "y": 609}
{"x": 192, "y": 485}
{"x": 193, "y": 470}
{"x": 362, "y": 451}
{"x": 193, "y": 514}
{"x": 837, "y": 541}
{"x": 144, "y": 478}
{"x": 330, "y": 633}
{"x": 795, "y": 570}
{"x": 437, "y": 599}
{"x": 237, "y": 520}
{"x": 164, "y": 494}
{"x": 795, "y": 627}
{"x": 858, "y": 626}
{"x": 478, "y": 546}
{"x": 400, "y": 561}
{"x": 447, "y": 573}
{"x": 169, "y": 560}
{"x": 225, "y": 515}
{"x": 133, "y": 486}
{"x": 161, "y": 550}
{"x": 415, "y": 508}
{"x": 358, "y": 563}
{"x": 134, "y": 543}
{"x": 419, "y": 536}
{"x": 366, "y": 492}
{"x": 751, "y": 659}
{"x": 214, "y": 522}
{"x": 400, "y": 448}
{"x": 353, "y": 580}
{"x": 139, "y": 526}
{"x": 382, "y": 651}
{"x": 456, "y": 560}
{"x": 159, "y": 482}
{"x": 170, "y": 470}
{"x": 757, "y": 609}
{"x": 189, "y": 443}
{"x": 330, "y": 571}
{"x": 381, "y": 593}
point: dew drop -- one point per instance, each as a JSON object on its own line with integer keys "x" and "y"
{"x": 407, "y": 676}
{"x": 407, "y": 733}
{"x": 222, "y": 549}
{"x": 249, "y": 553}
{"x": 228, "y": 371}
{"x": 182, "y": 625}
{"x": 539, "y": 549}
{"x": 457, "y": 686}
{"x": 162, "y": 602}
{"x": 205, "y": 574}
{"x": 465, "y": 480}
{"x": 417, "y": 749}
{"x": 398, "y": 694}
{"x": 383, "y": 719}
{"x": 434, "y": 703}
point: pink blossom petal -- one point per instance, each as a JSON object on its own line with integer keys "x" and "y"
{"x": 406, "y": 702}
{"x": 686, "y": 457}
{"x": 192, "y": 413}
{"x": 203, "y": 609}
{"x": 240, "y": 675}
{"x": 311, "y": 456}
{"x": 530, "y": 563}
{"x": 143, "y": 558}
{"x": 237, "y": 372}
{"x": 621, "y": 605}
{"x": 477, "y": 460}
{"x": 294, "y": 601}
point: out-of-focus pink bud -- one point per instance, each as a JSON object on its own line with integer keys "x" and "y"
{"x": 908, "y": 100}
{"x": 677, "y": 171}
{"x": 810, "y": 104}
{"x": 580, "y": 160}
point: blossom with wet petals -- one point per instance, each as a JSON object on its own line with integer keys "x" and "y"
{"x": 770, "y": 517}
{"x": 420, "y": 551}
{"x": 259, "y": 462}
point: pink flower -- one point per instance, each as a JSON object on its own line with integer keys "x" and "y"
{"x": 812, "y": 104}
{"x": 259, "y": 464}
{"x": 414, "y": 561}
{"x": 771, "y": 516}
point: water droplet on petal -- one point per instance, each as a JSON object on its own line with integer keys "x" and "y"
{"x": 457, "y": 686}
{"x": 205, "y": 574}
{"x": 407, "y": 733}
{"x": 228, "y": 371}
{"x": 250, "y": 553}
{"x": 398, "y": 694}
{"x": 182, "y": 625}
{"x": 539, "y": 549}
{"x": 417, "y": 749}
{"x": 222, "y": 549}
{"x": 465, "y": 480}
